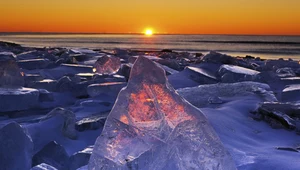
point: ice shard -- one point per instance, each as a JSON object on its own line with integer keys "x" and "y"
{"x": 107, "y": 65}
{"x": 152, "y": 128}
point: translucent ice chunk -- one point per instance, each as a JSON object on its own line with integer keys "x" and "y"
{"x": 151, "y": 127}
{"x": 107, "y": 65}
{"x": 10, "y": 74}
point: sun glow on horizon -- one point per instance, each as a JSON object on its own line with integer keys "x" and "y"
{"x": 218, "y": 17}
{"x": 149, "y": 32}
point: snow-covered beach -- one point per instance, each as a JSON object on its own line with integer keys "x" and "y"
{"x": 176, "y": 110}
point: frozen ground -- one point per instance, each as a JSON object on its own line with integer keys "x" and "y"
{"x": 62, "y": 105}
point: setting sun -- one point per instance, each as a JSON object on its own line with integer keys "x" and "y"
{"x": 148, "y": 32}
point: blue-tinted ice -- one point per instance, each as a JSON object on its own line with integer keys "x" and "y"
{"x": 151, "y": 127}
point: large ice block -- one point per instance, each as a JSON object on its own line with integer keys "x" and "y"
{"x": 152, "y": 128}
{"x": 17, "y": 99}
{"x": 16, "y": 148}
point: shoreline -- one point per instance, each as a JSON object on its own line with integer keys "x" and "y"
{"x": 261, "y": 54}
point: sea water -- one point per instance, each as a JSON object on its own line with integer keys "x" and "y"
{"x": 236, "y": 45}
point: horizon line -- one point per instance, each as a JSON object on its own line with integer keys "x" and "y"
{"x": 93, "y": 33}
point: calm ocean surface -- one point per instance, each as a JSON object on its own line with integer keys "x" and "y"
{"x": 260, "y": 46}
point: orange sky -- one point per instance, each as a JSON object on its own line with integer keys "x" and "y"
{"x": 164, "y": 16}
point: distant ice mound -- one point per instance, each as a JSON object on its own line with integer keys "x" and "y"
{"x": 200, "y": 96}
{"x": 10, "y": 74}
{"x": 152, "y": 128}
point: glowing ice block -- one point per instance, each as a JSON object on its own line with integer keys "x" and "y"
{"x": 107, "y": 65}
{"x": 152, "y": 128}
